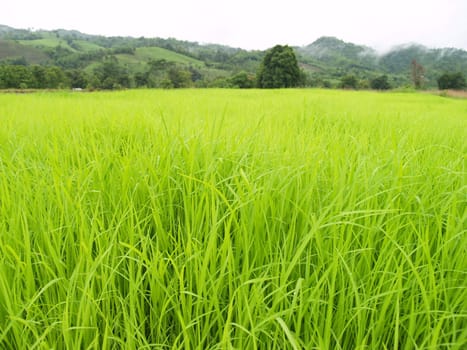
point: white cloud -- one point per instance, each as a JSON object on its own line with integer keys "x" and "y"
{"x": 253, "y": 24}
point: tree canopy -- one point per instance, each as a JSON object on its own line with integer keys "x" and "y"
{"x": 279, "y": 68}
{"x": 349, "y": 82}
{"x": 380, "y": 83}
{"x": 454, "y": 81}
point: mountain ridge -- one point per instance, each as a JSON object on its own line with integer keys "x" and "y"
{"x": 324, "y": 61}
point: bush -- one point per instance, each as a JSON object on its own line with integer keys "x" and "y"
{"x": 242, "y": 80}
{"x": 349, "y": 82}
{"x": 380, "y": 83}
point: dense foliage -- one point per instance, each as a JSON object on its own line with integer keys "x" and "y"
{"x": 36, "y": 77}
{"x": 349, "y": 82}
{"x": 380, "y": 83}
{"x": 454, "y": 81}
{"x": 279, "y": 68}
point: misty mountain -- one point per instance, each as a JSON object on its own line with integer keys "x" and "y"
{"x": 342, "y": 57}
{"x": 6, "y": 29}
{"x": 333, "y": 50}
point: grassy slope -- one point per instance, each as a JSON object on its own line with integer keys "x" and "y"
{"x": 246, "y": 219}
{"x": 47, "y": 43}
{"x": 10, "y": 49}
{"x": 144, "y": 54}
{"x": 135, "y": 62}
{"x": 87, "y": 46}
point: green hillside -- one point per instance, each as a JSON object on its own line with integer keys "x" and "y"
{"x": 47, "y": 43}
{"x": 145, "y": 53}
{"x": 142, "y": 55}
{"x": 324, "y": 63}
{"x": 69, "y": 44}
{"x": 84, "y": 45}
{"x": 10, "y": 50}
{"x": 333, "y": 58}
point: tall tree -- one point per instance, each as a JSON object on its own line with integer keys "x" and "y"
{"x": 279, "y": 68}
{"x": 417, "y": 74}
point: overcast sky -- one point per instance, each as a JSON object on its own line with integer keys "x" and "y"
{"x": 253, "y": 24}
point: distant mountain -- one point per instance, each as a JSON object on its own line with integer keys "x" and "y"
{"x": 325, "y": 61}
{"x": 435, "y": 61}
{"x": 330, "y": 48}
{"x": 348, "y": 58}
{"x": 6, "y": 29}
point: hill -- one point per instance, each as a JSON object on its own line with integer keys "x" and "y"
{"x": 336, "y": 58}
{"x": 324, "y": 62}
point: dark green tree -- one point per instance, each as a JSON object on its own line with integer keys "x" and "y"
{"x": 16, "y": 77}
{"x": 242, "y": 80}
{"x": 279, "y": 69}
{"x": 195, "y": 74}
{"x": 455, "y": 81}
{"x": 156, "y": 74}
{"x": 39, "y": 74}
{"x": 141, "y": 79}
{"x": 77, "y": 78}
{"x": 111, "y": 75}
{"x": 380, "y": 83}
{"x": 179, "y": 78}
{"x": 349, "y": 82}
{"x": 55, "y": 78}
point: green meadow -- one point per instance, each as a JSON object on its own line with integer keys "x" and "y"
{"x": 233, "y": 219}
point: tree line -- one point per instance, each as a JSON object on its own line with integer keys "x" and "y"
{"x": 108, "y": 75}
{"x": 278, "y": 69}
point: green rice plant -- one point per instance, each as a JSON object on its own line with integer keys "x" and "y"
{"x": 227, "y": 219}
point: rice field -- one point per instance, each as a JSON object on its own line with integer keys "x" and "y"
{"x": 227, "y": 219}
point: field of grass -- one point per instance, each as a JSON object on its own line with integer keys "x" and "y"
{"x": 49, "y": 43}
{"x": 147, "y": 53}
{"x": 87, "y": 45}
{"x": 222, "y": 219}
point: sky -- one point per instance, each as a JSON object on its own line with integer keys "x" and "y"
{"x": 251, "y": 24}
